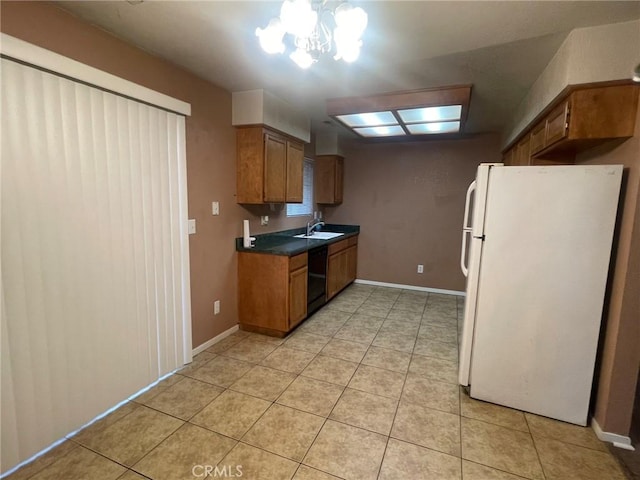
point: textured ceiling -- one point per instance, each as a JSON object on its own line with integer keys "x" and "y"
{"x": 499, "y": 47}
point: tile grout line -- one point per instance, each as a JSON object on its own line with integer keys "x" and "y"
{"x": 325, "y": 418}
{"x": 395, "y": 414}
{"x": 535, "y": 447}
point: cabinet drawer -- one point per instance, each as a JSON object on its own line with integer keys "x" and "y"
{"x": 352, "y": 241}
{"x": 338, "y": 246}
{"x": 298, "y": 261}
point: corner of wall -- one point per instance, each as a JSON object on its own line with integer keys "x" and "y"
{"x": 547, "y": 86}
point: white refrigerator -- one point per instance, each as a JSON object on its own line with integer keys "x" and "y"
{"x": 536, "y": 249}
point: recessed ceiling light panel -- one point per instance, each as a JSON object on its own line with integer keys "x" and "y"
{"x": 423, "y": 114}
{"x": 431, "y": 114}
{"x": 370, "y": 119}
{"x": 387, "y": 131}
{"x": 433, "y": 127}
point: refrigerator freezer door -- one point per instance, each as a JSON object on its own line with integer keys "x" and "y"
{"x": 541, "y": 286}
{"x": 473, "y": 263}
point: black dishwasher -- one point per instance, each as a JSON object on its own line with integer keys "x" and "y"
{"x": 317, "y": 279}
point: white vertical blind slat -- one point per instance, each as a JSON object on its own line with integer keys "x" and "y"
{"x": 95, "y": 279}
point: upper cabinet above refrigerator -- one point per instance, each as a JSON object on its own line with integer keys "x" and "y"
{"x": 582, "y": 117}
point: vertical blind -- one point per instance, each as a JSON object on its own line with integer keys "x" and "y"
{"x": 94, "y": 252}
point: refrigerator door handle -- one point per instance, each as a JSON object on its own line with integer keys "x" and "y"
{"x": 466, "y": 228}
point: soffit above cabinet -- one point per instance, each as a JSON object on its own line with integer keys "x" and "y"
{"x": 259, "y": 107}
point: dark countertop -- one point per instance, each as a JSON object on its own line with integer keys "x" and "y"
{"x": 284, "y": 243}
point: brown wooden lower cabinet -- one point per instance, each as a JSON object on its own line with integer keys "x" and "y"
{"x": 297, "y": 296}
{"x": 272, "y": 292}
{"x": 272, "y": 289}
{"x": 342, "y": 264}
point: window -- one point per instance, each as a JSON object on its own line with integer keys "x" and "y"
{"x": 306, "y": 207}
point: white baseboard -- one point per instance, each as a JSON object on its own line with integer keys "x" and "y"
{"x": 409, "y": 287}
{"x": 619, "y": 441}
{"x": 215, "y": 340}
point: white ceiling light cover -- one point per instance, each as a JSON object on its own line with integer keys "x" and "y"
{"x": 386, "y": 131}
{"x": 431, "y": 114}
{"x": 370, "y": 119}
{"x": 433, "y": 127}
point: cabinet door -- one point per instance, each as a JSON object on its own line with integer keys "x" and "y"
{"x": 509, "y": 157}
{"x": 328, "y": 179}
{"x": 537, "y": 138}
{"x": 295, "y": 169}
{"x": 336, "y": 272}
{"x": 557, "y": 125}
{"x": 323, "y": 179}
{"x": 352, "y": 264}
{"x": 275, "y": 168}
{"x": 523, "y": 154}
{"x": 297, "y": 296}
{"x": 339, "y": 180}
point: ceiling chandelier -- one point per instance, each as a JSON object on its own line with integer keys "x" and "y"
{"x": 312, "y": 30}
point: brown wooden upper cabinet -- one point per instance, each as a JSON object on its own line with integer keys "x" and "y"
{"x": 579, "y": 119}
{"x": 328, "y": 179}
{"x": 523, "y": 151}
{"x": 269, "y": 166}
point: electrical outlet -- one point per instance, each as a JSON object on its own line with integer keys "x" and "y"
{"x": 192, "y": 226}
{"x": 420, "y": 268}
{"x": 215, "y": 208}
{"x": 216, "y": 307}
{"x": 264, "y": 220}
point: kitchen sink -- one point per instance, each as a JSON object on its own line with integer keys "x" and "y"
{"x": 320, "y": 235}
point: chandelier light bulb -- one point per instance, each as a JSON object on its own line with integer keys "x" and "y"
{"x": 353, "y": 19}
{"x": 310, "y": 25}
{"x": 302, "y": 58}
{"x": 271, "y": 37}
{"x": 347, "y": 45}
{"x": 298, "y": 17}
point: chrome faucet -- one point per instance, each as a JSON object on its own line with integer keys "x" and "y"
{"x": 312, "y": 225}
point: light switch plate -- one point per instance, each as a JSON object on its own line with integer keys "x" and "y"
{"x": 192, "y": 226}
{"x": 264, "y": 220}
{"x": 215, "y": 208}
{"x": 216, "y": 307}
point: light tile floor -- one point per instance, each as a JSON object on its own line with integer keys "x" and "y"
{"x": 364, "y": 389}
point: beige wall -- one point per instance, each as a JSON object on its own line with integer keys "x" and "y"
{"x": 409, "y": 201}
{"x": 620, "y": 352}
{"x": 210, "y": 149}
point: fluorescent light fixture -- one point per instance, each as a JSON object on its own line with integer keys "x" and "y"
{"x": 371, "y": 119}
{"x": 423, "y": 114}
{"x": 431, "y": 114}
{"x": 386, "y": 131}
{"x": 433, "y": 127}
